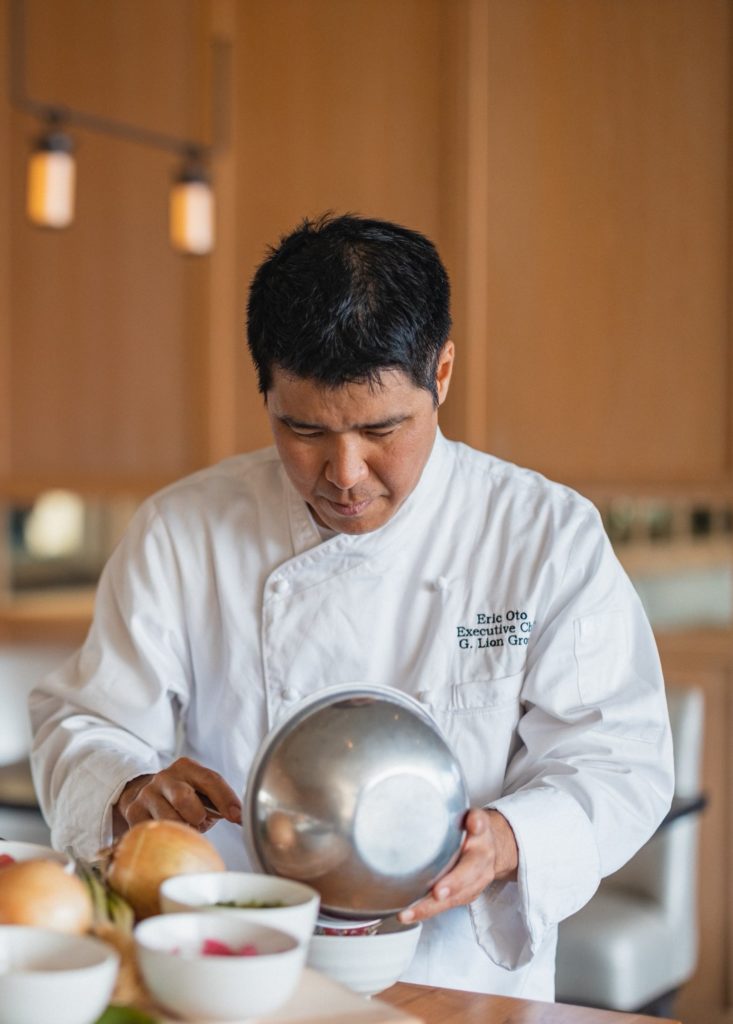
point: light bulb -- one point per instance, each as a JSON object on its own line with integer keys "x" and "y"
{"x": 192, "y": 212}
{"x": 51, "y": 182}
{"x": 55, "y": 526}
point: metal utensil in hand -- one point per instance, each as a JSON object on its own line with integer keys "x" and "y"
{"x": 211, "y": 811}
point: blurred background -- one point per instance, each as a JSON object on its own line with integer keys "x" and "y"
{"x": 570, "y": 158}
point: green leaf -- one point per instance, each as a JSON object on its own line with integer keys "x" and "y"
{"x": 125, "y": 1015}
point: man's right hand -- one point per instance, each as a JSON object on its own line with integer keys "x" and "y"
{"x": 178, "y": 794}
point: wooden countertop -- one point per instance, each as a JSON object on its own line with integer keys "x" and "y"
{"x": 449, "y": 1006}
{"x": 60, "y": 616}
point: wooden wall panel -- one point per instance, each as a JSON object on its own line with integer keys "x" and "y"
{"x": 464, "y": 198}
{"x": 5, "y": 114}
{"x": 225, "y": 326}
{"x": 4, "y": 283}
{"x": 128, "y": 60}
{"x": 340, "y": 104}
{"x": 570, "y": 160}
{"x": 104, "y": 328}
{"x": 606, "y": 270}
{"x": 107, "y": 321}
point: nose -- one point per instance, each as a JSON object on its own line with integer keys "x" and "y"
{"x": 346, "y": 466}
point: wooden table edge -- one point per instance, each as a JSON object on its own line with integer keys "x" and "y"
{"x": 453, "y": 1006}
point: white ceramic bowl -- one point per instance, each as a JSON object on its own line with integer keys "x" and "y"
{"x": 198, "y": 892}
{"x": 366, "y": 963}
{"x": 34, "y": 851}
{"x": 49, "y": 976}
{"x": 183, "y": 979}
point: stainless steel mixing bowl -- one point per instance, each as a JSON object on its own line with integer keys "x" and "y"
{"x": 357, "y": 794}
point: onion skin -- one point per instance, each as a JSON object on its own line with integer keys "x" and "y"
{"x": 152, "y": 851}
{"x": 40, "y": 893}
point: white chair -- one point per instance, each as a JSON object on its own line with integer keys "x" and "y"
{"x": 21, "y": 667}
{"x": 635, "y": 943}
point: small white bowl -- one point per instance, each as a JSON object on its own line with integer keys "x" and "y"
{"x": 203, "y": 891}
{"x": 366, "y": 963}
{"x": 50, "y": 976}
{"x": 194, "y": 985}
{"x": 34, "y": 851}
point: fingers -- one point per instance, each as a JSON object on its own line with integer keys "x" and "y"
{"x": 185, "y": 791}
{"x": 473, "y": 871}
{"x": 154, "y": 805}
{"x": 460, "y": 886}
{"x": 200, "y": 782}
{"x": 476, "y": 822}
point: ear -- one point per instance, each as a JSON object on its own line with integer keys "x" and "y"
{"x": 444, "y": 370}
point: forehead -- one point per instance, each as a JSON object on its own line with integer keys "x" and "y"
{"x": 305, "y": 400}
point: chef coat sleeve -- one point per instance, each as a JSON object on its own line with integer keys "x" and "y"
{"x": 110, "y": 714}
{"x": 593, "y": 774}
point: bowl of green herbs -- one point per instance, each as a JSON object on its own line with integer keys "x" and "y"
{"x": 265, "y": 899}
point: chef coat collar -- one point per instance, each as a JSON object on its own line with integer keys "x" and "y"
{"x": 421, "y": 502}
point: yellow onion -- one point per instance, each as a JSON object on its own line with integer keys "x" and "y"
{"x": 152, "y": 851}
{"x": 42, "y": 894}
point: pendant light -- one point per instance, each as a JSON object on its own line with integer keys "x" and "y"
{"x": 51, "y": 181}
{"x": 51, "y": 175}
{"x": 191, "y": 211}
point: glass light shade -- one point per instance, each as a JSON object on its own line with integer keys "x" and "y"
{"x": 192, "y": 217}
{"x": 51, "y": 188}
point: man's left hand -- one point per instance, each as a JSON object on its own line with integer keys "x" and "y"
{"x": 489, "y": 853}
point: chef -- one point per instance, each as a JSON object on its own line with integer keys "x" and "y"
{"x": 365, "y": 546}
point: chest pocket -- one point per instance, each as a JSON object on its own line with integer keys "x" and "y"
{"x": 479, "y": 720}
{"x": 479, "y": 695}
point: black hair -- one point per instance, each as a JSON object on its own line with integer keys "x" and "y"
{"x": 343, "y": 298}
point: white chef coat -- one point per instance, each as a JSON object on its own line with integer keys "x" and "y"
{"x": 492, "y": 596}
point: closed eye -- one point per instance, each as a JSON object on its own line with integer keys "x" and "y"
{"x": 300, "y": 432}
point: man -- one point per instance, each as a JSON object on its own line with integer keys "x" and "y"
{"x": 367, "y": 547}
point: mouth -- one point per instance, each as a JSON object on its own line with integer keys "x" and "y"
{"x": 350, "y": 509}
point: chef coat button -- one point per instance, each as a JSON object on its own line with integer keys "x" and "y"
{"x": 289, "y": 693}
{"x": 281, "y": 586}
{"x": 423, "y": 696}
{"x": 441, "y": 583}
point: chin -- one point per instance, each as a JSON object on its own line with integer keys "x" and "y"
{"x": 358, "y": 527}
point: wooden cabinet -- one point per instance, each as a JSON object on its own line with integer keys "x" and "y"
{"x": 595, "y": 332}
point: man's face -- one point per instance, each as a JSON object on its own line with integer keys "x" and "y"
{"x": 356, "y": 452}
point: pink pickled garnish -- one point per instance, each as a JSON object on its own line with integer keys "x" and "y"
{"x": 214, "y": 947}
